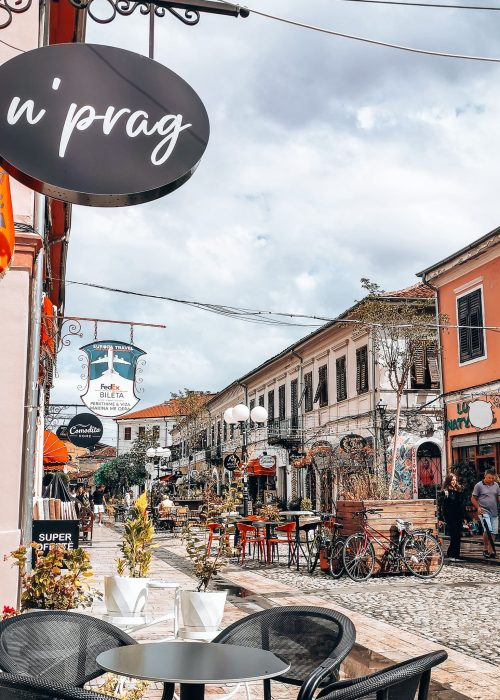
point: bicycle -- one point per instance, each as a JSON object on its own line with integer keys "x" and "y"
{"x": 417, "y": 550}
{"x": 327, "y": 549}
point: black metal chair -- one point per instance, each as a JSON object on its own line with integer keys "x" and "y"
{"x": 313, "y": 640}
{"x": 56, "y": 645}
{"x": 399, "y": 682}
{"x": 14, "y": 687}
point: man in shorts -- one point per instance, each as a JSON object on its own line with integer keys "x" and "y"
{"x": 99, "y": 504}
{"x": 485, "y": 499}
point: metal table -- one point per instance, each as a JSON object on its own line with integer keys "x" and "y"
{"x": 192, "y": 665}
{"x": 296, "y": 514}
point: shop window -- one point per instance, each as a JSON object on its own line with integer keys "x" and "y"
{"x": 127, "y": 434}
{"x": 321, "y": 394}
{"x": 341, "y": 372}
{"x": 308, "y": 392}
{"x": 470, "y": 321}
{"x": 362, "y": 369}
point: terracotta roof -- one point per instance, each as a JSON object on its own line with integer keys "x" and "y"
{"x": 416, "y": 291}
{"x": 174, "y": 408}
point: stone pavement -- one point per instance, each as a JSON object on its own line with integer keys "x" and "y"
{"x": 395, "y": 617}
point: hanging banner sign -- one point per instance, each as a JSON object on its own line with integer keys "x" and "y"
{"x": 7, "y": 234}
{"x": 231, "y": 462}
{"x": 84, "y": 430}
{"x": 111, "y": 377}
{"x": 267, "y": 461}
{"x": 98, "y": 126}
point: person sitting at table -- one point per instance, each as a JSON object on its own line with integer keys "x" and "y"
{"x": 165, "y": 506}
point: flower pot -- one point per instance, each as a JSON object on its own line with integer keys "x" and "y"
{"x": 125, "y": 595}
{"x": 201, "y": 613}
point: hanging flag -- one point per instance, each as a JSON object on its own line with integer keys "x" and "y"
{"x": 6, "y": 224}
{"x": 111, "y": 377}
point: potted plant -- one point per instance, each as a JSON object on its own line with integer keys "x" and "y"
{"x": 58, "y": 579}
{"x": 202, "y": 610}
{"x": 126, "y": 593}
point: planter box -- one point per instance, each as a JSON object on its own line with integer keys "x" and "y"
{"x": 421, "y": 513}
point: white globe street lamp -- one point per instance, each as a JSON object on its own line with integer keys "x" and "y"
{"x": 229, "y": 417}
{"x": 258, "y": 414}
{"x": 241, "y": 412}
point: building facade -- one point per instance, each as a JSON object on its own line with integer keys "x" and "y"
{"x": 467, "y": 288}
{"x": 325, "y": 390}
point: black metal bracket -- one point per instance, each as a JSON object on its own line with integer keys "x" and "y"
{"x": 9, "y": 9}
{"x": 187, "y": 11}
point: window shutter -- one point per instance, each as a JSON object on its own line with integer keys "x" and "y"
{"x": 294, "y": 397}
{"x": 281, "y": 402}
{"x": 261, "y": 400}
{"x": 251, "y": 407}
{"x": 308, "y": 391}
{"x": 419, "y": 364}
{"x": 464, "y": 334}
{"x": 341, "y": 379}
{"x": 470, "y": 314}
{"x": 358, "y": 371}
{"x": 270, "y": 405}
{"x": 433, "y": 364}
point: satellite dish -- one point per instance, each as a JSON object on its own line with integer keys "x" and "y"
{"x": 480, "y": 414}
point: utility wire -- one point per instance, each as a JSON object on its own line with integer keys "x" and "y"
{"x": 257, "y": 315}
{"x": 427, "y": 4}
{"x": 16, "y": 48}
{"x": 366, "y": 40}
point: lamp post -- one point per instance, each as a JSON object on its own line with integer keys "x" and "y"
{"x": 382, "y": 410}
{"x": 160, "y": 452}
{"x": 240, "y": 414}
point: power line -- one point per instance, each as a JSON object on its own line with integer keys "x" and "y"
{"x": 16, "y": 48}
{"x": 375, "y": 42}
{"x": 241, "y": 313}
{"x": 428, "y": 4}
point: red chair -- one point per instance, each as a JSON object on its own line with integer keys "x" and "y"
{"x": 274, "y": 542}
{"x": 215, "y": 531}
{"x": 249, "y": 535}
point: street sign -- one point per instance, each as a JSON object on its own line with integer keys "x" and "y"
{"x": 232, "y": 462}
{"x": 97, "y": 125}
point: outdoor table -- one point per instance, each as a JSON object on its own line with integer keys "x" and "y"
{"x": 296, "y": 514}
{"x": 192, "y": 665}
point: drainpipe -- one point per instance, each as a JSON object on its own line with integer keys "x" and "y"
{"x": 32, "y": 389}
{"x": 444, "y": 465}
{"x": 300, "y": 393}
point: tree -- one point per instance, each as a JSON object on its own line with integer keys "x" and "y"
{"x": 400, "y": 327}
{"x": 190, "y": 407}
{"x": 128, "y": 469}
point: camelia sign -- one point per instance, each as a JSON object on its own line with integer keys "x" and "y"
{"x": 111, "y": 377}
{"x": 97, "y": 125}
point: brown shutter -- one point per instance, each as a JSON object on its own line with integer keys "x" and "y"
{"x": 419, "y": 364}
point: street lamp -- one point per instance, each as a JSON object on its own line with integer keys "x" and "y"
{"x": 382, "y": 410}
{"x": 240, "y": 414}
{"x": 160, "y": 452}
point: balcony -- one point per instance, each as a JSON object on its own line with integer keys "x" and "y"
{"x": 286, "y": 432}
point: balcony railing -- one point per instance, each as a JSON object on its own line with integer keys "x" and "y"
{"x": 285, "y": 431}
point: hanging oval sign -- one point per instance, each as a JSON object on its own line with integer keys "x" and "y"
{"x": 97, "y": 125}
{"x": 85, "y": 430}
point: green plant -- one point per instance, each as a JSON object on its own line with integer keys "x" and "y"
{"x": 58, "y": 579}
{"x": 204, "y": 565}
{"x": 137, "y": 542}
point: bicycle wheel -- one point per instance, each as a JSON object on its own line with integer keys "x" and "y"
{"x": 422, "y": 554}
{"x": 313, "y": 556}
{"x": 335, "y": 559}
{"x": 358, "y": 557}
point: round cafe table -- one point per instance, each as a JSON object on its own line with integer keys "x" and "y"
{"x": 192, "y": 665}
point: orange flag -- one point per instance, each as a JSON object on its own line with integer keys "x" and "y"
{"x": 6, "y": 224}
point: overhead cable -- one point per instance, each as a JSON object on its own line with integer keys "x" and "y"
{"x": 367, "y": 40}
{"x": 431, "y": 5}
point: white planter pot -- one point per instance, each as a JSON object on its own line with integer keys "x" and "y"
{"x": 202, "y": 613}
{"x": 125, "y": 595}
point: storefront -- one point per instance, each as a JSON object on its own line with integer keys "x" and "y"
{"x": 467, "y": 440}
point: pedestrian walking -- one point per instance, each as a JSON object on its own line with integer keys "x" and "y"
{"x": 450, "y": 509}
{"x": 99, "y": 504}
{"x": 485, "y": 499}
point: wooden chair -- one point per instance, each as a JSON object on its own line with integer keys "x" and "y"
{"x": 86, "y": 518}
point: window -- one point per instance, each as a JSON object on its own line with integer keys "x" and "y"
{"x": 281, "y": 402}
{"x": 156, "y": 432}
{"x": 251, "y": 407}
{"x": 142, "y": 431}
{"x": 471, "y": 336}
{"x": 340, "y": 366}
{"x": 127, "y": 434}
{"x": 294, "y": 400}
{"x": 212, "y": 434}
{"x": 261, "y": 400}
{"x": 218, "y": 432}
{"x": 308, "y": 392}
{"x": 362, "y": 369}
{"x": 270, "y": 405}
{"x": 224, "y": 432}
{"x": 425, "y": 370}
{"x": 321, "y": 394}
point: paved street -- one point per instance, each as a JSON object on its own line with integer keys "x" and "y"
{"x": 395, "y": 618}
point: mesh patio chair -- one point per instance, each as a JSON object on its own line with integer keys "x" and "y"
{"x": 400, "y": 682}
{"x": 15, "y": 687}
{"x": 56, "y": 645}
{"x": 313, "y": 640}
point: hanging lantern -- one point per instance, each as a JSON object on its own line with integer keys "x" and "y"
{"x": 7, "y": 235}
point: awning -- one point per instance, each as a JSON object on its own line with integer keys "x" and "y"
{"x": 255, "y": 468}
{"x": 470, "y": 440}
{"x": 166, "y": 477}
{"x": 55, "y": 453}
{"x": 7, "y": 234}
{"x": 48, "y": 328}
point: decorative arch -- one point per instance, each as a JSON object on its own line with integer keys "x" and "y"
{"x": 429, "y": 468}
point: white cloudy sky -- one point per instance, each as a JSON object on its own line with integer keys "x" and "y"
{"x": 328, "y": 160}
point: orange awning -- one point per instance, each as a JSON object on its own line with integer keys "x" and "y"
{"x": 7, "y": 234}
{"x": 49, "y": 328}
{"x": 255, "y": 468}
{"x": 55, "y": 454}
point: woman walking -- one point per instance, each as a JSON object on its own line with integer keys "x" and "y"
{"x": 451, "y": 511}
